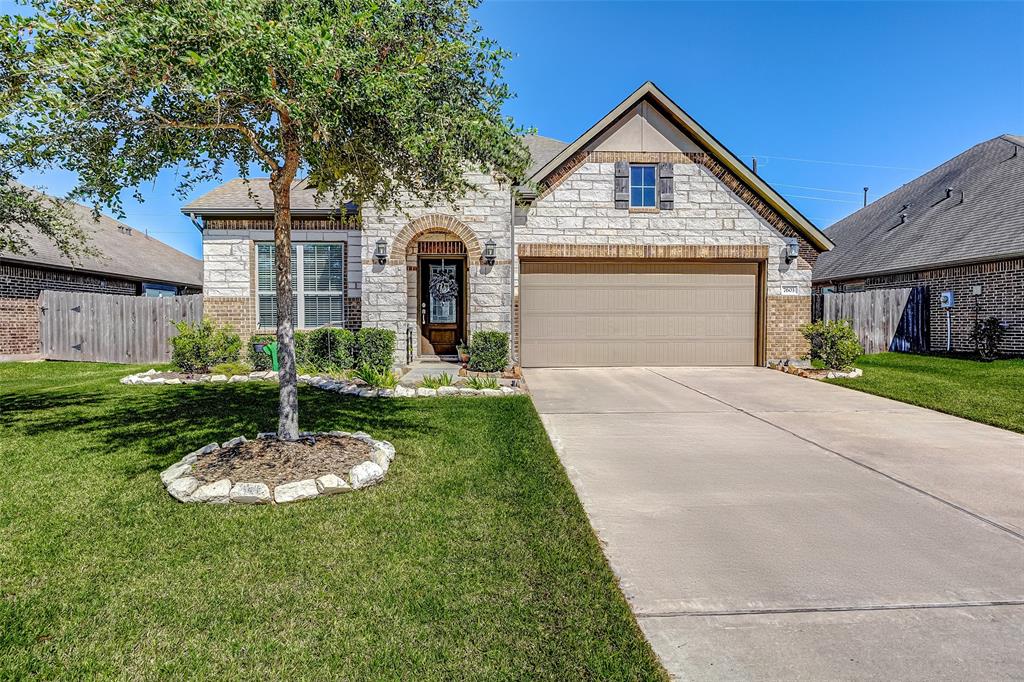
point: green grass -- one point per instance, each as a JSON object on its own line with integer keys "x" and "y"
{"x": 986, "y": 392}
{"x": 472, "y": 560}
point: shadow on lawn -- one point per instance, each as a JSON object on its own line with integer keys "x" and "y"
{"x": 163, "y": 423}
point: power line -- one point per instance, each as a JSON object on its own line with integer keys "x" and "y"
{"x": 834, "y": 201}
{"x": 838, "y": 163}
{"x": 815, "y": 189}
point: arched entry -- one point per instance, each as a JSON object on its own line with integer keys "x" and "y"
{"x": 437, "y": 251}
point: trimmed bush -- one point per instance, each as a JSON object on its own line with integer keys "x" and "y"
{"x": 260, "y": 362}
{"x": 488, "y": 351}
{"x": 200, "y": 346}
{"x": 986, "y": 335}
{"x": 375, "y": 348}
{"x": 834, "y": 343}
{"x": 330, "y": 348}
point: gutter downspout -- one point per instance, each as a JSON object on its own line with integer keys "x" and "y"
{"x": 512, "y": 277}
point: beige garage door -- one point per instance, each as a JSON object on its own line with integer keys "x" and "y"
{"x": 604, "y": 314}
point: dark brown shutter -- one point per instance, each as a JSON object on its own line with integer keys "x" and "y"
{"x": 666, "y": 190}
{"x": 622, "y": 184}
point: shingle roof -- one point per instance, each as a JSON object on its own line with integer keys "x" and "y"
{"x": 542, "y": 149}
{"x": 123, "y": 251}
{"x": 987, "y": 225}
{"x": 237, "y": 196}
{"x": 253, "y": 195}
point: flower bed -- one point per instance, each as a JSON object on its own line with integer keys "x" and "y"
{"x": 268, "y": 470}
{"x": 354, "y": 387}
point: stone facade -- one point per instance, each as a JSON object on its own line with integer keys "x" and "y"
{"x": 1002, "y": 296}
{"x": 229, "y": 269}
{"x": 20, "y": 286}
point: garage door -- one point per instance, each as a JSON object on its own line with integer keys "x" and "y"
{"x": 603, "y": 314}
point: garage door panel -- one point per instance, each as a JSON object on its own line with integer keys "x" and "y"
{"x": 621, "y": 314}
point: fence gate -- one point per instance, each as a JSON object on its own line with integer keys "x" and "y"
{"x": 883, "y": 319}
{"x": 106, "y": 328}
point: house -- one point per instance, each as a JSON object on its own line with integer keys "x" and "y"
{"x": 127, "y": 262}
{"x": 958, "y": 228}
{"x": 644, "y": 242}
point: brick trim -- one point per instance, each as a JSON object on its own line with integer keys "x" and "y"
{"x": 746, "y": 252}
{"x": 434, "y": 223}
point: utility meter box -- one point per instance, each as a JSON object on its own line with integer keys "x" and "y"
{"x": 946, "y": 299}
{"x": 976, "y": 290}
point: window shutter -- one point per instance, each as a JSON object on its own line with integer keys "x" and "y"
{"x": 622, "y": 184}
{"x": 666, "y": 188}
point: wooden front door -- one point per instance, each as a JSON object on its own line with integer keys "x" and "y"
{"x": 442, "y": 295}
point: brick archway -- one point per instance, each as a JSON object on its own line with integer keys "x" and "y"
{"x": 435, "y": 223}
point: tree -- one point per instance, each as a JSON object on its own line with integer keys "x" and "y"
{"x": 374, "y": 100}
{"x": 24, "y": 211}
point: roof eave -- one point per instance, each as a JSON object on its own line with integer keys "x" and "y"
{"x": 705, "y": 139}
{"x": 931, "y": 266}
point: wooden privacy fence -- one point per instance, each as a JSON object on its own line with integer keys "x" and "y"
{"x": 883, "y": 319}
{"x": 106, "y": 328}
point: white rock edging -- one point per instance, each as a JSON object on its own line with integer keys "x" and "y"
{"x": 184, "y": 487}
{"x": 343, "y": 386}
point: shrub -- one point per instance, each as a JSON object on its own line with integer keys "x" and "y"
{"x": 834, "y": 343}
{"x": 199, "y": 346}
{"x": 986, "y": 336}
{"x": 230, "y": 368}
{"x": 261, "y": 362}
{"x": 375, "y": 347}
{"x": 488, "y": 351}
{"x": 330, "y": 348}
{"x": 437, "y": 381}
{"x": 375, "y": 377}
{"x": 480, "y": 383}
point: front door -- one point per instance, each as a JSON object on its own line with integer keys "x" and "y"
{"x": 441, "y": 300}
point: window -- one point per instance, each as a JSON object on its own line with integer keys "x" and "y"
{"x": 158, "y": 290}
{"x": 318, "y": 281}
{"x": 642, "y": 187}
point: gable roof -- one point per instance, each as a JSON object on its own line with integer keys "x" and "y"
{"x": 123, "y": 252}
{"x": 938, "y": 231}
{"x": 252, "y": 196}
{"x": 705, "y": 141}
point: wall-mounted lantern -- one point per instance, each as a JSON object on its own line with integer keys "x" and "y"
{"x": 490, "y": 252}
{"x": 381, "y": 252}
{"x": 792, "y": 250}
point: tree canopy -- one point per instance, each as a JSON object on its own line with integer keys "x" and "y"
{"x": 376, "y": 101}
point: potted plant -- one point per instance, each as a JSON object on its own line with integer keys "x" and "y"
{"x": 463, "y": 352}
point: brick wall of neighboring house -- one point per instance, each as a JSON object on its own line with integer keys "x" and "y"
{"x": 19, "y": 290}
{"x": 1002, "y": 296}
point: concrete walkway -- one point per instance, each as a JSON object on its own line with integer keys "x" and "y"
{"x": 765, "y": 526}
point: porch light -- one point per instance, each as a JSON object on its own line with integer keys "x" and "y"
{"x": 792, "y": 250}
{"x": 381, "y": 252}
{"x": 490, "y": 252}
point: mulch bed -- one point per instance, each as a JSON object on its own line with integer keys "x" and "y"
{"x": 274, "y": 462}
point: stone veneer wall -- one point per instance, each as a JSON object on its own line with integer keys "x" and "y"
{"x": 1002, "y": 296}
{"x": 20, "y": 286}
{"x": 229, "y": 273}
{"x": 482, "y": 215}
{"x": 578, "y": 208}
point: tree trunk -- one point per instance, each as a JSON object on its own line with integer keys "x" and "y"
{"x": 288, "y": 409}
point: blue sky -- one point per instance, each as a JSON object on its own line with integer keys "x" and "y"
{"x": 830, "y": 96}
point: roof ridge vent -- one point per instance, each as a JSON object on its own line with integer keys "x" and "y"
{"x": 125, "y": 229}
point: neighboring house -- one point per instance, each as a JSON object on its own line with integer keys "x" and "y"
{"x": 644, "y": 242}
{"x": 128, "y": 263}
{"x": 958, "y": 228}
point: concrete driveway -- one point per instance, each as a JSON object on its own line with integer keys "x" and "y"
{"x": 765, "y": 526}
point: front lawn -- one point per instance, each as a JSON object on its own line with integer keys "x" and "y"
{"x": 473, "y": 560}
{"x": 987, "y": 392}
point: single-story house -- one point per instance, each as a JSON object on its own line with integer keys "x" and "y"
{"x": 127, "y": 262}
{"x": 958, "y": 228}
{"x": 643, "y": 242}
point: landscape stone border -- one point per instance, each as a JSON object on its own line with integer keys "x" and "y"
{"x": 344, "y": 386}
{"x": 816, "y": 373}
{"x": 185, "y": 488}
